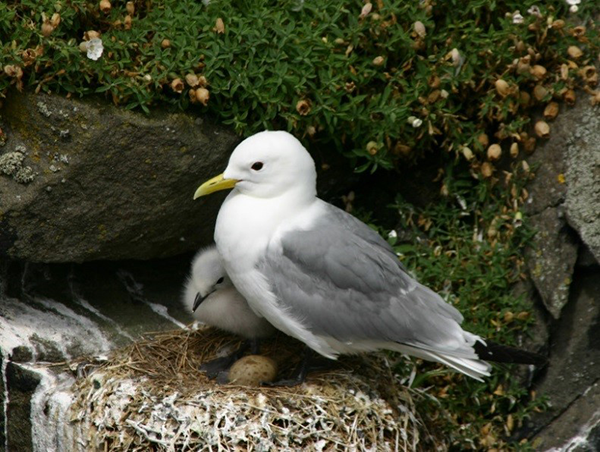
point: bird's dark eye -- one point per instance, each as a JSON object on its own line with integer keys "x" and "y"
{"x": 220, "y": 280}
{"x": 257, "y": 166}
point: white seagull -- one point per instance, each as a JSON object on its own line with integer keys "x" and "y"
{"x": 214, "y": 301}
{"x": 320, "y": 275}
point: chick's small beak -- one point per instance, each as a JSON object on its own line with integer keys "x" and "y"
{"x": 217, "y": 183}
{"x": 198, "y": 301}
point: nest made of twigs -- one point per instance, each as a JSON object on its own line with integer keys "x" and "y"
{"x": 151, "y": 396}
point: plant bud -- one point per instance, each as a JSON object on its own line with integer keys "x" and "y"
{"x": 529, "y": 145}
{"x": 578, "y": 31}
{"x": 523, "y": 67}
{"x": 502, "y": 87}
{"x": 303, "y": 107}
{"x": 589, "y": 74}
{"x": 420, "y": 29}
{"x": 514, "y": 150}
{"x": 192, "y": 80}
{"x": 542, "y": 129}
{"x": 467, "y": 153}
{"x": 177, "y": 85}
{"x": 551, "y": 110}
{"x": 165, "y": 44}
{"x": 219, "y": 26}
{"x": 127, "y": 22}
{"x": 483, "y": 140}
{"x": 372, "y": 147}
{"x": 574, "y": 52}
{"x": 540, "y": 92}
{"x": 203, "y": 95}
{"x": 47, "y": 28}
{"x": 378, "y": 61}
{"x": 91, "y": 34}
{"x": 487, "y": 170}
{"x": 130, "y": 7}
{"x": 55, "y": 20}
{"x": 570, "y": 97}
{"x": 494, "y": 152}
{"x": 538, "y": 72}
{"x": 105, "y": 6}
{"x": 402, "y": 149}
{"x": 366, "y": 9}
{"x": 13, "y": 71}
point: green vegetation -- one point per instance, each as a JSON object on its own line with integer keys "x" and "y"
{"x": 385, "y": 87}
{"x": 470, "y": 250}
{"x": 405, "y": 78}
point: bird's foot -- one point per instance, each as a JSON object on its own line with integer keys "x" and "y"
{"x": 309, "y": 363}
{"x": 218, "y": 366}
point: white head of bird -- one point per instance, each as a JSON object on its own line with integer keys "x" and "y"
{"x": 207, "y": 276}
{"x": 266, "y": 165}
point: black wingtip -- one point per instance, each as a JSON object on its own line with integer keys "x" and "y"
{"x": 491, "y": 351}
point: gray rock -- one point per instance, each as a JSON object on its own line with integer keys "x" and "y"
{"x": 583, "y": 179}
{"x": 577, "y": 429}
{"x": 551, "y": 258}
{"x": 117, "y": 185}
{"x": 22, "y": 384}
{"x": 54, "y": 313}
{"x": 572, "y": 378}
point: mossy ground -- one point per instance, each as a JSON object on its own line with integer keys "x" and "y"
{"x": 385, "y": 84}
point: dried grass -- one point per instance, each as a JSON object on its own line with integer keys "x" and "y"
{"x": 151, "y": 396}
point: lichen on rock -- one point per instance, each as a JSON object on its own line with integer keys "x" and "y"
{"x": 11, "y": 164}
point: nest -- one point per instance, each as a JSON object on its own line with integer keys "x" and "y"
{"x": 151, "y": 396}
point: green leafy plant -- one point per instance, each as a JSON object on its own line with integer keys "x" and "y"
{"x": 378, "y": 82}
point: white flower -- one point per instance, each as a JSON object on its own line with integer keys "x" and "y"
{"x": 517, "y": 18}
{"x": 574, "y": 8}
{"x": 94, "y": 48}
{"x": 392, "y": 234}
{"x": 414, "y": 121}
{"x": 573, "y": 2}
{"x": 535, "y": 11}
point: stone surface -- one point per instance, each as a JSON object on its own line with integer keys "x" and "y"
{"x": 59, "y": 312}
{"x": 573, "y": 373}
{"x": 577, "y": 429}
{"x": 109, "y": 183}
{"x": 583, "y": 176}
{"x": 551, "y": 258}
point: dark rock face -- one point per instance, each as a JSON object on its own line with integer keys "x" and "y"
{"x": 108, "y": 183}
{"x": 563, "y": 264}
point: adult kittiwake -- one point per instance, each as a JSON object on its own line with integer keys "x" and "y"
{"x": 320, "y": 275}
{"x": 214, "y": 301}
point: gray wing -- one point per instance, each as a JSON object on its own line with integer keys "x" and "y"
{"x": 341, "y": 281}
{"x": 355, "y": 226}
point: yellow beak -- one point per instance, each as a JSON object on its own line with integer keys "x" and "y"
{"x": 217, "y": 183}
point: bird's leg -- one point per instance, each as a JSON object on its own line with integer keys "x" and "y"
{"x": 308, "y": 364}
{"x": 220, "y": 366}
{"x": 254, "y": 346}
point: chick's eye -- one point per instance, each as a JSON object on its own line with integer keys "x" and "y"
{"x": 220, "y": 280}
{"x": 257, "y": 166}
